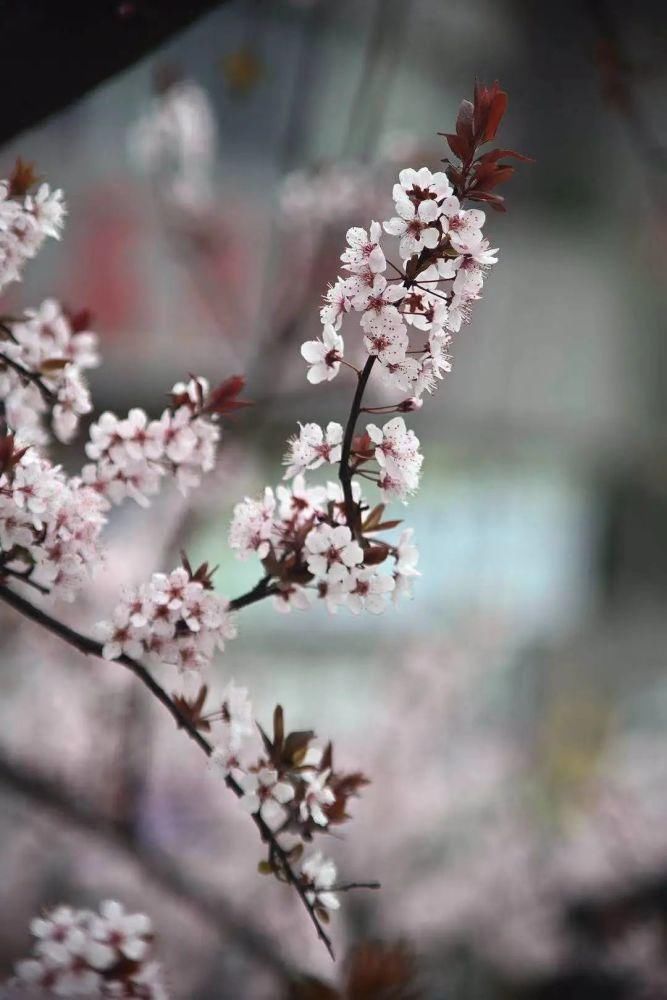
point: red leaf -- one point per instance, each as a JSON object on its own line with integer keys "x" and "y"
{"x": 499, "y": 176}
{"x": 494, "y": 200}
{"x": 490, "y": 106}
{"x": 224, "y": 399}
{"x": 458, "y": 145}
{"x": 495, "y": 116}
{"x": 496, "y": 154}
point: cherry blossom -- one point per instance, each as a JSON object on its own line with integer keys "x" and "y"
{"x": 405, "y": 567}
{"x": 397, "y": 453}
{"x": 25, "y": 222}
{"x": 252, "y": 525}
{"x": 364, "y": 250}
{"x": 386, "y": 337}
{"x": 338, "y": 301}
{"x": 132, "y": 455}
{"x": 323, "y": 356}
{"x": 175, "y": 621}
{"x": 56, "y": 347}
{"x": 420, "y": 185}
{"x": 49, "y": 525}
{"x": 316, "y": 795}
{"x": 415, "y": 225}
{"x": 368, "y": 590}
{"x": 265, "y": 794}
{"x": 312, "y": 447}
{"x": 319, "y": 875}
{"x": 332, "y": 551}
{"x": 80, "y": 953}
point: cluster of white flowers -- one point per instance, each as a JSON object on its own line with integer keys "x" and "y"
{"x": 293, "y": 791}
{"x": 130, "y": 456}
{"x": 56, "y": 348}
{"x": 407, "y": 320}
{"x": 49, "y": 524}
{"x": 25, "y": 222}
{"x": 398, "y": 456}
{"x": 80, "y": 953}
{"x": 175, "y": 619}
{"x": 319, "y": 877}
{"x": 303, "y": 538}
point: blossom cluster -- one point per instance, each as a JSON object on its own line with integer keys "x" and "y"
{"x": 28, "y": 215}
{"x": 129, "y": 457}
{"x": 407, "y": 320}
{"x": 80, "y": 953}
{"x": 42, "y": 358}
{"x": 176, "y": 619}
{"x": 309, "y": 551}
{"x": 49, "y": 524}
{"x": 291, "y": 785}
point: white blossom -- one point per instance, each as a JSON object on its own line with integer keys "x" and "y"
{"x": 80, "y": 953}
{"x": 317, "y": 795}
{"x": 319, "y": 874}
{"x": 174, "y": 620}
{"x": 323, "y": 356}
{"x": 364, "y": 250}
{"x": 264, "y": 793}
{"x": 312, "y": 447}
{"x": 415, "y": 226}
{"x": 332, "y": 551}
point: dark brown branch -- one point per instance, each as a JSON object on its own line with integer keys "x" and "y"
{"x": 155, "y": 864}
{"x": 344, "y": 471}
{"x": 29, "y": 376}
{"x": 90, "y": 647}
{"x": 258, "y": 593}
{"x": 24, "y": 578}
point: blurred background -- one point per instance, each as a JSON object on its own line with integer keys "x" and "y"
{"x": 512, "y": 717}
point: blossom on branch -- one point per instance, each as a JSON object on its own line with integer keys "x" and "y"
{"x": 42, "y": 360}
{"x": 131, "y": 456}
{"x": 80, "y": 953}
{"x": 175, "y": 619}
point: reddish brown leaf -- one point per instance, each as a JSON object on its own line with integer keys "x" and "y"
{"x": 490, "y": 106}
{"x": 458, "y": 145}
{"x": 495, "y": 201}
{"x": 377, "y": 971}
{"x": 494, "y": 155}
{"x": 278, "y": 728}
{"x": 388, "y": 525}
{"x": 224, "y": 398}
{"x": 22, "y": 178}
{"x": 296, "y": 744}
{"x": 375, "y": 554}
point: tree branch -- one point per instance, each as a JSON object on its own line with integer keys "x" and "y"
{"x": 91, "y": 647}
{"x": 345, "y": 473}
{"x": 29, "y": 376}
